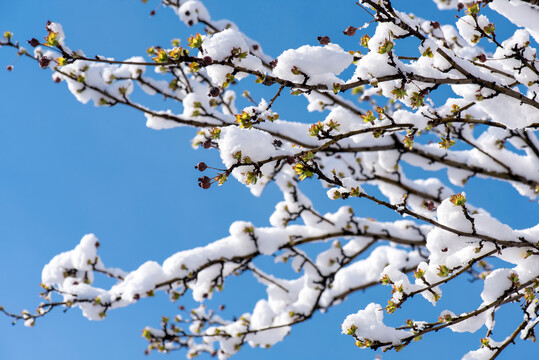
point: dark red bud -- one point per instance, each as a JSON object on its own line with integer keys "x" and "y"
{"x": 290, "y": 160}
{"x": 214, "y": 92}
{"x": 181, "y": 307}
{"x": 57, "y": 80}
{"x": 33, "y": 42}
{"x": 207, "y": 60}
{"x": 460, "y": 6}
{"x": 350, "y": 31}
{"x": 206, "y": 144}
{"x": 9, "y": 68}
{"x": 204, "y": 179}
{"x": 201, "y": 166}
{"x": 44, "y": 62}
{"x": 273, "y": 63}
{"x": 324, "y": 40}
{"x": 482, "y": 58}
{"x": 277, "y": 143}
{"x": 97, "y": 244}
{"x": 204, "y": 182}
{"x": 187, "y": 13}
{"x": 152, "y": 13}
{"x": 75, "y": 283}
{"x": 435, "y": 24}
{"x": 190, "y": 23}
{"x": 255, "y": 47}
{"x": 136, "y": 297}
{"x": 205, "y": 186}
{"x": 221, "y": 307}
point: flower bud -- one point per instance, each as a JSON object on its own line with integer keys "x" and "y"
{"x": 44, "y": 62}
{"x": 207, "y": 60}
{"x": 324, "y": 40}
{"x": 33, "y": 42}
{"x": 214, "y": 91}
{"x": 201, "y": 166}
{"x": 204, "y": 182}
{"x": 350, "y": 31}
{"x": 290, "y": 160}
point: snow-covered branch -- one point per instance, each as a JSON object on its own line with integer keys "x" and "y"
{"x": 376, "y": 119}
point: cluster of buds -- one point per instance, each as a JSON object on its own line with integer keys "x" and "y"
{"x": 237, "y": 53}
{"x": 162, "y": 56}
{"x": 446, "y": 143}
{"x": 205, "y": 181}
{"x": 322, "y": 130}
{"x": 195, "y": 41}
{"x": 458, "y": 199}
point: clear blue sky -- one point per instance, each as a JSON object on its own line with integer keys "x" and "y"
{"x": 67, "y": 169}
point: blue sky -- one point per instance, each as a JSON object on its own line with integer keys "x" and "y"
{"x": 67, "y": 169}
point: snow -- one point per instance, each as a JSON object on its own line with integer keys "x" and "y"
{"x": 219, "y": 47}
{"x": 321, "y": 64}
{"x": 79, "y": 258}
{"x": 192, "y": 11}
{"x": 369, "y": 325}
{"x": 519, "y": 13}
{"x": 468, "y": 25}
